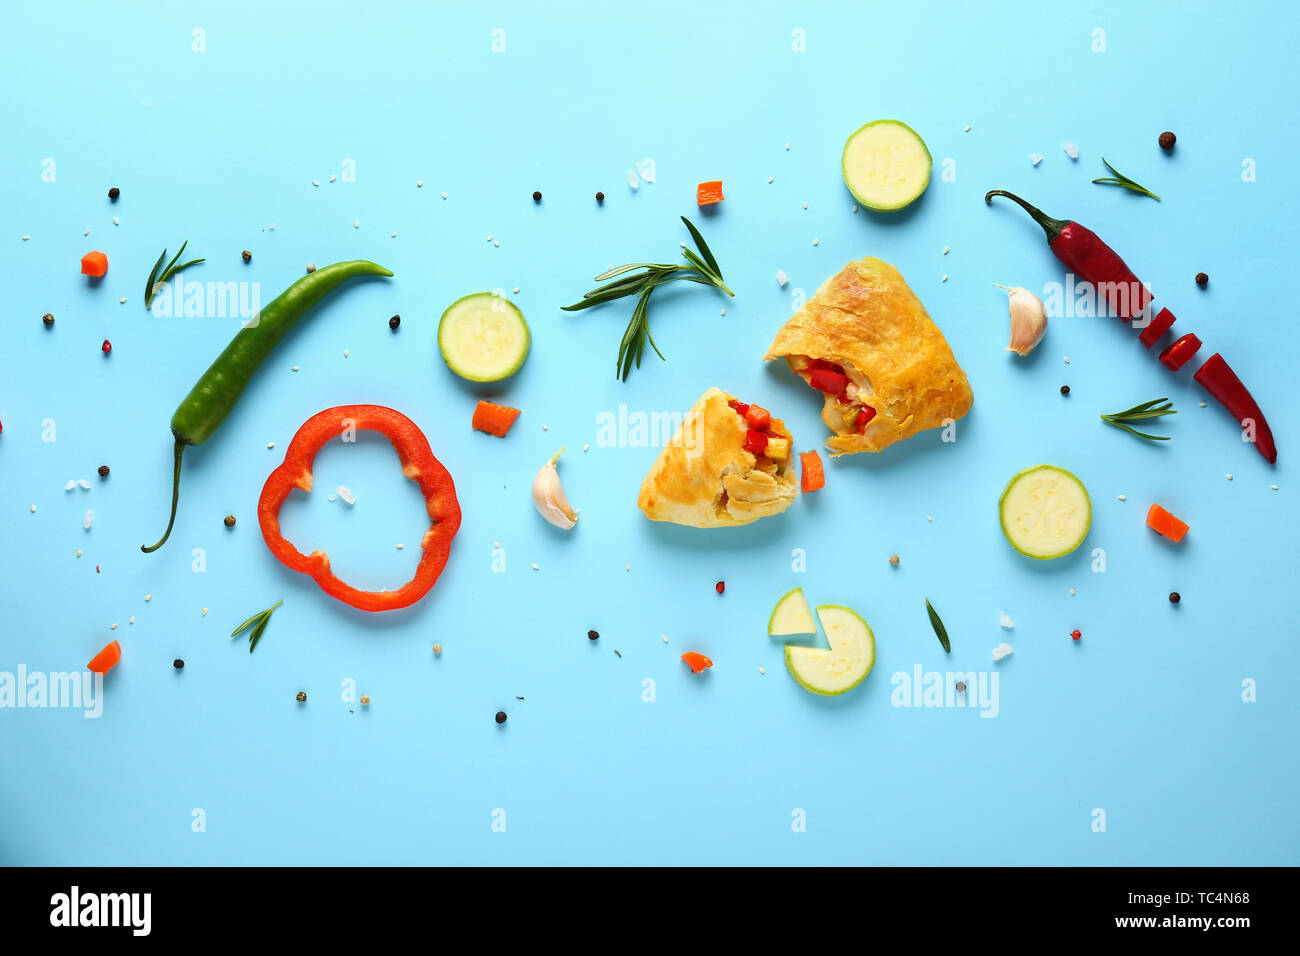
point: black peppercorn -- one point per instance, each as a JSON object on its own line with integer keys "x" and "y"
{"x": 178, "y": 663}
{"x": 48, "y": 319}
{"x": 1202, "y": 279}
{"x": 593, "y": 635}
{"x": 103, "y": 471}
{"x": 302, "y": 696}
{"x": 230, "y": 521}
{"x": 600, "y": 197}
{"x": 501, "y": 716}
{"x": 114, "y": 193}
{"x": 1167, "y": 140}
{"x": 1065, "y": 390}
{"x": 246, "y": 256}
{"x": 394, "y": 322}
{"x": 1174, "y": 597}
{"x": 537, "y": 196}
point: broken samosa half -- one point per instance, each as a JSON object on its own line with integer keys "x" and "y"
{"x": 865, "y": 341}
{"x": 729, "y": 463}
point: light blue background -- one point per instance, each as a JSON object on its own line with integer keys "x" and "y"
{"x": 1143, "y": 718}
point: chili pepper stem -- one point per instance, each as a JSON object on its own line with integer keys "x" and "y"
{"x": 1050, "y": 226}
{"x": 176, "y": 490}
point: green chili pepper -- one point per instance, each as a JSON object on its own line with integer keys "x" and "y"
{"x": 215, "y": 394}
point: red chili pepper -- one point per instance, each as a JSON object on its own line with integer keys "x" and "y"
{"x": 418, "y": 464}
{"x": 827, "y": 381}
{"x": 1217, "y": 378}
{"x": 755, "y": 442}
{"x": 1089, "y": 258}
{"x": 1181, "y": 352}
{"x": 1158, "y": 327}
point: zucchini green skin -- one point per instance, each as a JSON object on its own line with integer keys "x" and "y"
{"x": 213, "y": 397}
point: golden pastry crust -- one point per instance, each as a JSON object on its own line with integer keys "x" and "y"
{"x": 705, "y": 459}
{"x": 866, "y": 320}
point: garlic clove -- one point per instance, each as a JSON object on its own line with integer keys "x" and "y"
{"x": 1028, "y": 319}
{"x": 549, "y": 498}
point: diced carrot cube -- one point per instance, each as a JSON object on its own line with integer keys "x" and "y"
{"x": 706, "y": 194}
{"x": 1158, "y": 519}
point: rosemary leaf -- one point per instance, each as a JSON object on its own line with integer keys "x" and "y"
{"x": 153, "y": 279}
{"x": 940, "y": 631}
{"x": 1121, "y": 180}
{"x": 703, "y": 247}
{"x": 1146, "y": 411}
{"x": 640, "y": 279}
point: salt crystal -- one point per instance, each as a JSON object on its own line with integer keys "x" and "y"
{"x": 346, "y": 494}
{"x": 1035, "y": 158}
{"x": 633, "y": 180}
{"x": 88, "y": 519}
{"x": 1003, "y": 650}
{"x": 781, "y": 278}
{"x": 85, "y": 485}
{"x": 1070, "y": 149}
{"x": 69, "y": 486}
{"x": 1004, "y": 620}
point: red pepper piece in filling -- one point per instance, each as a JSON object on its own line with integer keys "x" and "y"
{"x": 1218, "y": 378}
{"x": 1158, "y": 327}
{"x": 1181, "y": 352}
{"x": 418, "y": 464}
{"x": 864, "y": 418}
{"x": 755, "y": 442}
{"x": 827, "y": 381}
{"x": 1089, "y": 258}
{"x": 740, "y": 408}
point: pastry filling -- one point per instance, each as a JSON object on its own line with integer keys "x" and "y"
{"x": 763, "y": 439}
{"x": 852, "y": 411}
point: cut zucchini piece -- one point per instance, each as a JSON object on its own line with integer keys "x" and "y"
{"x": 791, "y": 616}
{"x": 1045, "y": 512}
{"x": 843, "y": 667}
{"x": 886, "y": 165}
{"x": 483, "y": 337}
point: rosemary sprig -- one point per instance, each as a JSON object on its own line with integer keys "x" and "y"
{"x": 940, "y": 631}
{"x": 1141, "y": 413}
{"x": 258, "y": 623}
{"x": 156, "y": 279}
{"x": 627, "y": 280}
{"x": 1119, "y": 179}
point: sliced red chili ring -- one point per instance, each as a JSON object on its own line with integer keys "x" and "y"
{"x": 1178, "y": 354}
{"x": 1158, "y": 327}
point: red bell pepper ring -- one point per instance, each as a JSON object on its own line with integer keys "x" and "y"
{"x": 418, "y": 464}
{"x": 1181, "y": 352}
{"x": 1218, "y": 378}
